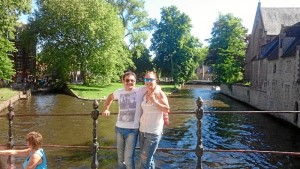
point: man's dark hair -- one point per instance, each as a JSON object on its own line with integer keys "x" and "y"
{"x": 128, "y": 73}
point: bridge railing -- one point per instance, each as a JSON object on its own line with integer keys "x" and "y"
{"x": 94, "y": 147}
{"x": 199, "y": 150}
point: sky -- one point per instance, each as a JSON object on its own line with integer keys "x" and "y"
{"x": 203, "y": 13}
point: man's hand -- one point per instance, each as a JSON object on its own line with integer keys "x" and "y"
{"x": 106, "y": 113}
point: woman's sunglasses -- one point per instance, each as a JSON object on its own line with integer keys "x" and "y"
{"x": 148, "y": 79}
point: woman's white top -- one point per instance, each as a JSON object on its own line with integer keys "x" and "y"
{"x": 152, "y": 119}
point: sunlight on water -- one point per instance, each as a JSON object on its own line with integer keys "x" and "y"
{"x": 215, "y": 103}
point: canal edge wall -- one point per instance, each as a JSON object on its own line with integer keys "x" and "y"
{"x": 70, "y": 92}
{"x": 13, "y": 99}
{"x": 256, "y": 98}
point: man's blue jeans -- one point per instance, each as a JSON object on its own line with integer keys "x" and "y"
{"x": 148, "y": 143}
{"x": 126, "y": 142}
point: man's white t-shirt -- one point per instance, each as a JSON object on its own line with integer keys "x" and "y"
{"x": 130, "y": 109}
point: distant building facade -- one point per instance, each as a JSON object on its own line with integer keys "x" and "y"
{"x": 273, "y": 63}
{"x": 205, "y": 73}
{"x": 24, "y": 58}
{"x": 267, "y": 26}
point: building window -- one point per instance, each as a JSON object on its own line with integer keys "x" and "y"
{"x": 265, "y": 84}
{"x": 30, "y": 62}
{"x": 274, "y": 68}
{"x": 19, "y": 64}
{"x": 19, "y": 77}
{"x": 17, "y": 36}
{"x": 19, "y": 52}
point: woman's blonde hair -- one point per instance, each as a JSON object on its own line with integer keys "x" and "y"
{"x": 151, "y": 72}
{"x": 35, "y": 139}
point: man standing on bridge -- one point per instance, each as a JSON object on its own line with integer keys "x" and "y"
{"x": 127, "y": 126}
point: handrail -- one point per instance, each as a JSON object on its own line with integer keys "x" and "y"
{"x": 171, "y": 149}
{"x": 170, "y": 113}
{"x": 95, "y": 146}
{"x": 100, "y": 147}
{"x": 257, "y": 151}
{"x": 199, "y": 150}
{"x": 250, "y": 112}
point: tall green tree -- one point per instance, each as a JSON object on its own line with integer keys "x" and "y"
{"x": 137, "y": 29}
{"x": 10, "y": 11}
{"x": 177, "y": 52}
{"x": 142, "y": 60}
{"x": 227, "y": 49}
{"x": 80, "y": 35}
{"x": 135, "y": 20}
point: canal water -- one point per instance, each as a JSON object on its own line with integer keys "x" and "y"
{"x": 220, "y": 131}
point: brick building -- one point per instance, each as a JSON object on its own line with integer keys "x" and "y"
{"x": 24, "y": 58}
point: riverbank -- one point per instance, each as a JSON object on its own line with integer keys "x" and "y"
{"x": 100, "y": 93}
{"x": 77, "y": 90}
{"x": 8, "y": 95}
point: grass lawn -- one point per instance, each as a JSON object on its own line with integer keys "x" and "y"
{"x": 6, "y": 94}
{"x": 95, "y": 92}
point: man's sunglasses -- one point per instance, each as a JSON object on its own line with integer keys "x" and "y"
{"x": 148, "y": 79}
{"x": 129, "y": 80}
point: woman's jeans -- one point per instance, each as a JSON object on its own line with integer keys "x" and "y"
{"x": 126, "y": 142}
{"x": 148, "y": 143}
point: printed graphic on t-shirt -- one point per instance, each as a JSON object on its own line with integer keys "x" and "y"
{"x": 127, "y": 107}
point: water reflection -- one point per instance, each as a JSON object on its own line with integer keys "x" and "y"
{"x": 220, "y": 131}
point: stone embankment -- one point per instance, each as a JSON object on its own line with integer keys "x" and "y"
{"x": 20, "y": 95}
{"x": 267, "y": 100}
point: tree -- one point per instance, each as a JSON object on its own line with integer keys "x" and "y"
{"x": 137, "y": 28}
{"x": 80, "y": 35}
{"x": 142, "y": 60}
{"x": 227, "y": 49}
{"x": 10, "y": 10}
{"x": 177, "y": 51}
{"x": 135, "y": 20}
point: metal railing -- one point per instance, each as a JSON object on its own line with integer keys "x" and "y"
{"x": 95, "y": 145}
{"x": 199, "y": 150}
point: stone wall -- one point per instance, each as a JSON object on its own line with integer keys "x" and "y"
{"x": 260, "y": 99}
{"x": 238, "y": 92}
{"x": 5, "y": 103}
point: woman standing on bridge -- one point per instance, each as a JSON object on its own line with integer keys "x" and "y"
{"x": 36, "y": 158}
{"x": 154, "y": 104}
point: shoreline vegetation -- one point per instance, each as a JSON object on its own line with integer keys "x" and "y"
{"x": 97, "y": 92}
{"x": 86, "y": 92}
{"x": 79, "y": 91}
